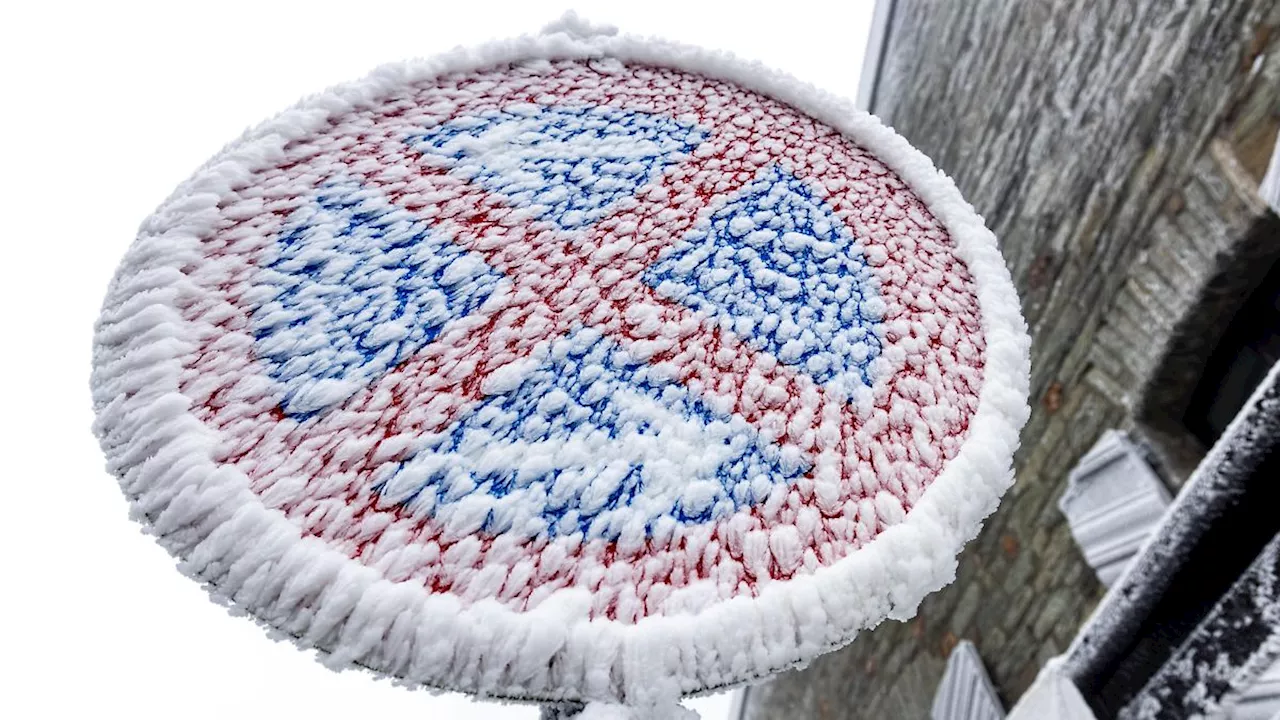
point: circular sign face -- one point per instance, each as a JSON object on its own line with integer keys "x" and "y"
{"x": 565, "y": 369}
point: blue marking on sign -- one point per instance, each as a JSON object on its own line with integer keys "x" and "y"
{"x": 592, "y": 438}
{"x": 778, "y": 268}
{"x": 568, "y": 165}
{"x": 355, "y": 287}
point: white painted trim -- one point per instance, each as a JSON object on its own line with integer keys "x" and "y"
{"x": 1113, "y": 501}
{"x": 966, "y": 692}
{"x": 1053, "y": 696}
{"x": 1270, "y": 188}
{"x": 1261, "y": 701}
{"x": 877, "y": 41}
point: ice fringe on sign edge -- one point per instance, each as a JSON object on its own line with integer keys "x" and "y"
{"x": 256, "y": 562}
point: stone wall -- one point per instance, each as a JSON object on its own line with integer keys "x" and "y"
{"x": 1115, "y": 148}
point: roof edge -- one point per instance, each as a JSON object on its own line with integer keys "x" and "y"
{"x": 877, "y": 44}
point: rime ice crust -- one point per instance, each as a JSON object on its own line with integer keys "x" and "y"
{"x": 182, "y": 470}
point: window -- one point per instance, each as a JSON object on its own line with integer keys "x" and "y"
{"x": 1248, "y": 348}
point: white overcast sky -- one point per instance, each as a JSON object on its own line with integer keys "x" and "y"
{"x": 106, "y": 107}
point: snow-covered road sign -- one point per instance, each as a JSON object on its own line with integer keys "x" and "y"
{"x": 570, "y": 368}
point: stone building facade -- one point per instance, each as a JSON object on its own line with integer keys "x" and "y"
{"x": 1116, "y": 149}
